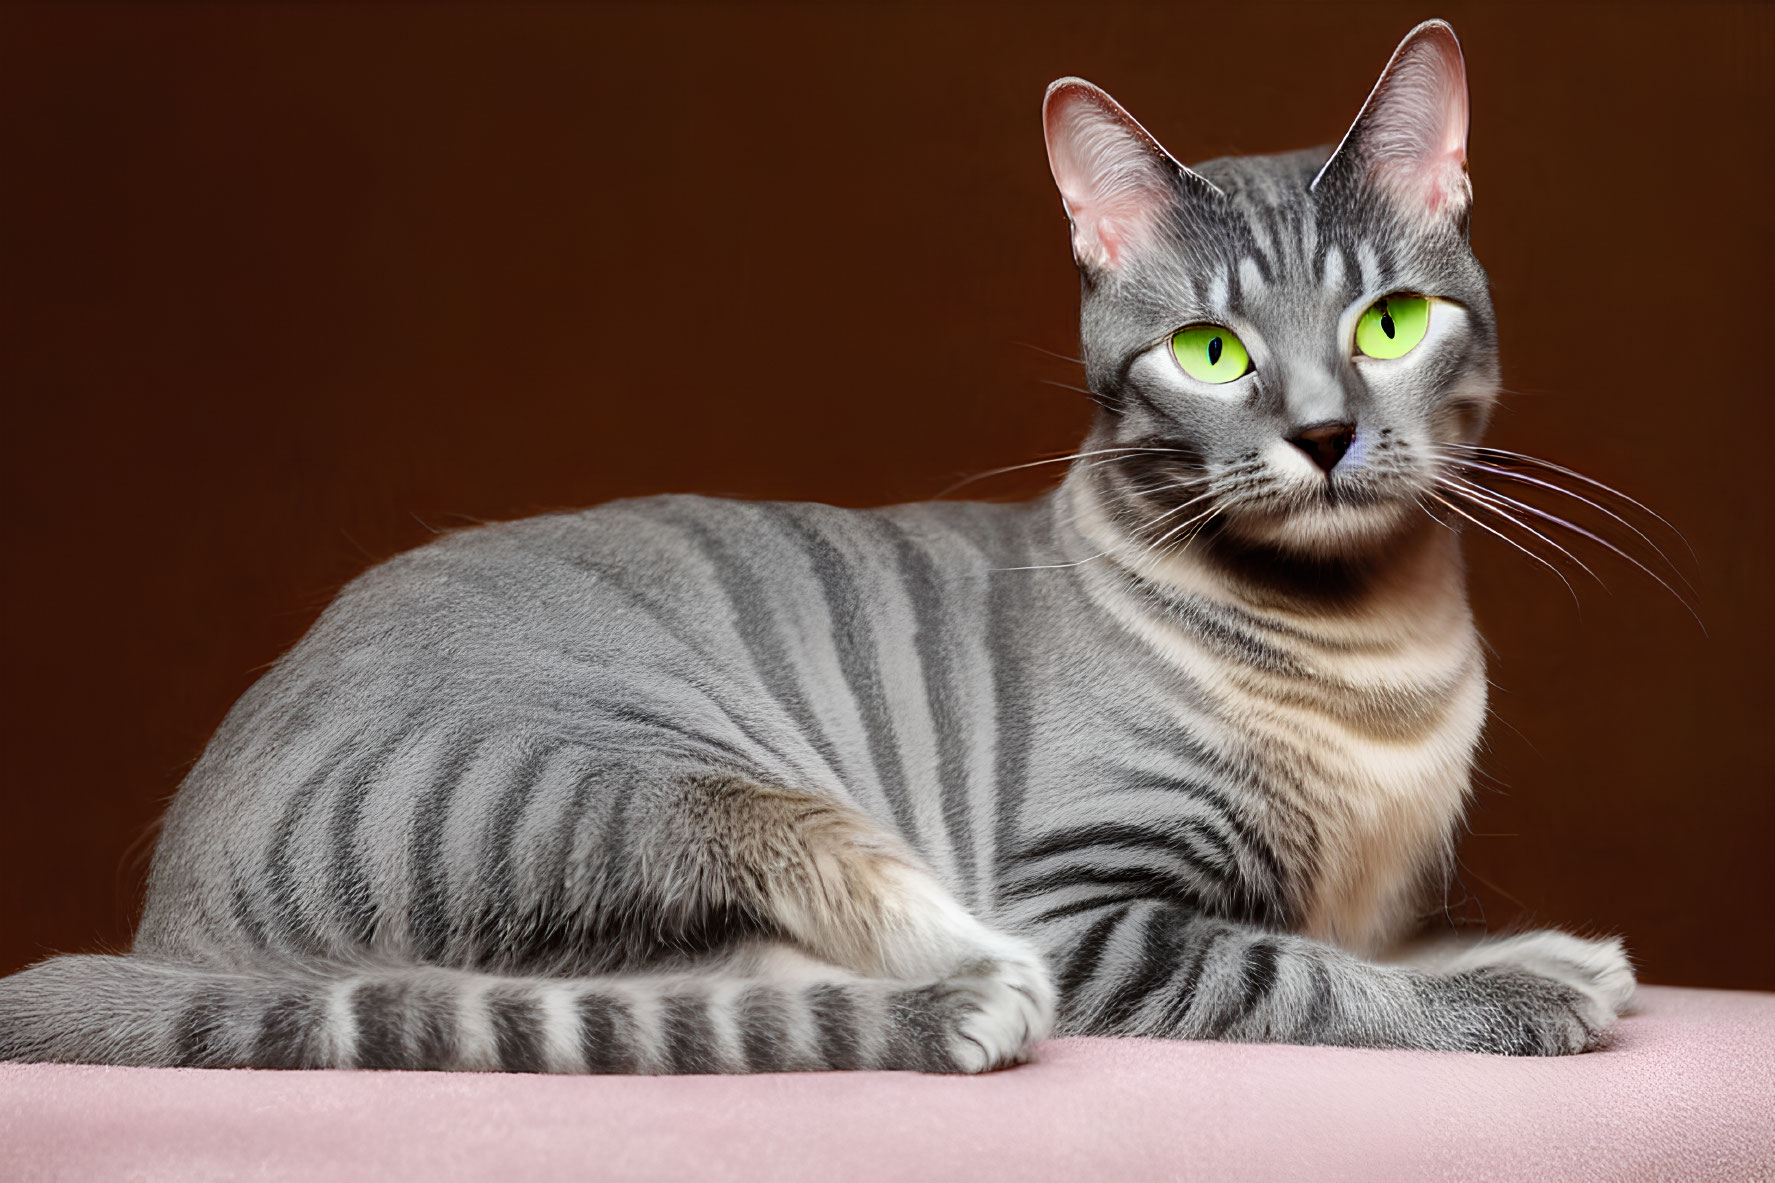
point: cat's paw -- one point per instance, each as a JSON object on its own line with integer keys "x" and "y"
{"x": 1538, "y": 993}
{"x": 1002, "y": 1004}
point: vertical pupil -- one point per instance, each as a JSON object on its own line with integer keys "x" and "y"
{"x": 1214, "y": 350}
{"x": 1386, "y": 318}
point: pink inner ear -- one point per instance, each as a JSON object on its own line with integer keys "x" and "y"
{"x": 1110, "y": 172}
{"x": 1429, "y": 96}
{"x": 1412, "y": 132}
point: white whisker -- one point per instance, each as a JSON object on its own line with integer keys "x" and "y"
{"x": 1600, "y": 508}
{"x": 1525, "y": 550}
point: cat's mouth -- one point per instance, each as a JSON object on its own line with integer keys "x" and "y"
{"x": 1328, "y": 521}
{"x": 1352, "y": 506}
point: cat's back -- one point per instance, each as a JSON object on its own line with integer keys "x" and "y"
{"x": 783, "y": 639}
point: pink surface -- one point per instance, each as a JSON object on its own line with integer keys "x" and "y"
{"x": 1687, "y": 1091}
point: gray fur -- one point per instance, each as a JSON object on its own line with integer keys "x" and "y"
{"x": 685, "y": 785}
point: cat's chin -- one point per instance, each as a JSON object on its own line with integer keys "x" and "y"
{"x": 1326, "y": 531}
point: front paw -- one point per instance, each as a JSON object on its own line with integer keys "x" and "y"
{"x": 1538, "y": 993}
{"x": 1003, "y": 1004}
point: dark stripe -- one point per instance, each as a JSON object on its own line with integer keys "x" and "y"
{"x": 1202, "y": 939}
{"x": 1152, "y": 966}
{"x": 763, "y": 1024}
{"x": 950, "y": 717}
{"x": 754, "y": 607}
{"x": 1172, "y": 839}
{"x": 616, "y": 882}
{"x": 1089, "y": 903}
{"x": 555, "y": 866}
{"x": 1319, "y": 1008}
{"x": 1081, "y": 961}
{"x": 1155, "y": 883}
{"x": 428, "y": 915}
{"x": 381, "y": 1042}
{"x": 283, "y": 1038}
{"x": 198, "y": 1035}
{"x": 854, "y": 641}
{"x": 499, "y": 880}
{"x": 1262, "y": 967}
{"x": 432, "y": 1015}
{"x": 280, "y": 873}
{"x": 245, "y": 922}
{"x": 920, "y": 1025}
{"x": 1206, "y": 622}
{"x": 689, "y": 1036}
{"x": 607, "y": 1035}
{"x": 1267, "y": 906}
{"x": 665, "y": 615}
{"x": 517, "y": 1033}
{"x": 835, "y": 1019}
{"x": 1258, "y": 973}
{"x": 1007, "y": 610}
{"x": 354, "y": 903}
{"x": 666, "y": 723}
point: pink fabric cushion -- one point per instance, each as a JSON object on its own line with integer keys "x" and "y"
{"x": 1687, "y": 1091}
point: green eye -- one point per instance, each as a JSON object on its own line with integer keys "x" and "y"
{"x": 1393, "y": 325}
{"x": 1211, "y": 353}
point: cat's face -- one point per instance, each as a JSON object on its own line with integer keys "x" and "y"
{"x": 1232, "y": 321}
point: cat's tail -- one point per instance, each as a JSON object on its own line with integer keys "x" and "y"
{"x": 792, "y": 1014}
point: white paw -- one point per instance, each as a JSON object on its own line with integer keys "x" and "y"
{"x": 1598, "y": 970}
{"x": 1005, "y": 1003}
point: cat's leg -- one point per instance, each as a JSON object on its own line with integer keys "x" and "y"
{"x": 1592, "y": 964}
{"x": 847, "y": 891}
{"x": 1152, "y": 967}
{"x": 840, "y": 952}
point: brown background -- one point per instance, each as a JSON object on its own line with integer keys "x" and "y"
{"x": 283, "y": 285}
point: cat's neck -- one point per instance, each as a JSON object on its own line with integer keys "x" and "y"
{"x": 1413, "y": 583}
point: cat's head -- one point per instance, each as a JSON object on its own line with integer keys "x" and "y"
{"x": 1292, "y": 336}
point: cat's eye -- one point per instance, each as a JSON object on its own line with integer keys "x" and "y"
{"x": 1210, "y": 353}
{"x": 1393, "y": 325}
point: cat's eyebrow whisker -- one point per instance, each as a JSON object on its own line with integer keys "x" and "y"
{"x": 1452, "y": 507}
{"x": 1504, "y": 456}
{"x": 1474, "y": 465}
{"x": 1596, "y": 538}
{"x": 1491, "y": 500}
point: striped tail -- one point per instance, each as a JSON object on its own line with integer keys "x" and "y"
{"x": 136, "y": 1010}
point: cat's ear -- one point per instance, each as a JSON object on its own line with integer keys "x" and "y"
{"x": 1410, "y": 138}
{"x": 1113, "y": 176}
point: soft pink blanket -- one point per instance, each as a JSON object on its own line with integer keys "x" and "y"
{"x": 1687, "y": 1091}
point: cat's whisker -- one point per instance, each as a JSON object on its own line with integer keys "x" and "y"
{"x": 1474, "y": 492}
{"x": 1077, "y": 361}
{"x": 1150, "y": 548}
{"x": 1453, "y": 508}
{"x": 1090, "y": 394}
{"x": 1506, "y": 456}
{"x": 1071, "y": 456}
{"x": 1596, "y": 538}
{"x": 1600, "y": 508}
{"x": 1050, "y": 566}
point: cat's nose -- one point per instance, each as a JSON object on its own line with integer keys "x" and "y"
{"x": 1325, "y": 443}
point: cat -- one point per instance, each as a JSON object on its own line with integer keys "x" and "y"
{"x": 691, "y": 785}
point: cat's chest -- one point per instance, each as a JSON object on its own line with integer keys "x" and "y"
{"x": 1353, "y": 766}
{"x": 1366, "y": 804}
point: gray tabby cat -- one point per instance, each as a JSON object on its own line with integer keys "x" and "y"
{"x": 683, "y": 785}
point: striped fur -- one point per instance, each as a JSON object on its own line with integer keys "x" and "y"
{"x": 685, "y": 785}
